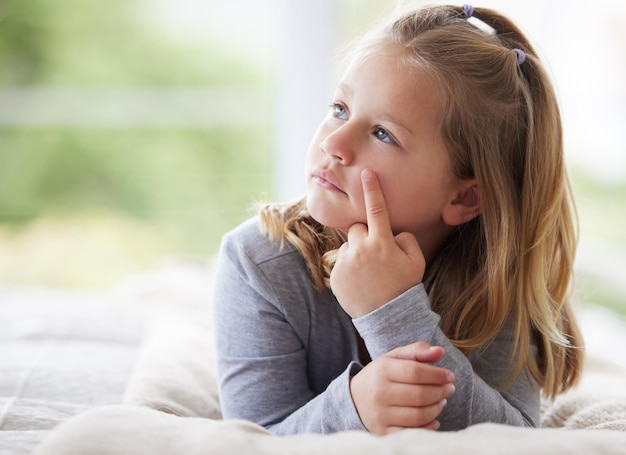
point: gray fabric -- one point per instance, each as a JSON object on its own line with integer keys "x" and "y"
{"x": 285, "y": 352}
{"x": 61, "y": 353}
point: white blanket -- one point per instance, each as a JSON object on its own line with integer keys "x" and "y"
{"x": 175, "y": 375}
{"x": 131, "y": 372}
{"x": 137, "y": 431}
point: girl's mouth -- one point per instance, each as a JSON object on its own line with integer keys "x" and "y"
{"x": 325, "y": 181}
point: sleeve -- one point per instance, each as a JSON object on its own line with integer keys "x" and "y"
{"x": 408, "y": 319}
{"x": 262, "y": 362}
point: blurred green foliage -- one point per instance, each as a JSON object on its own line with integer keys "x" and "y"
{"x": 601, "y": 208}
{"x": 184, "y": 186}
{"x": 601, "y": 205}
{"x": 201, "y": 180}
{"x": 85, "y": 205}
{"x": 90, "y": 43}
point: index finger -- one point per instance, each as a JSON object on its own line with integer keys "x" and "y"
{"x": 378, "y": 223}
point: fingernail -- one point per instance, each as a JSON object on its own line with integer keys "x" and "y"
{"x": 450, "y": 376}
{"x": 366, "y": 174}
{"x": 450, "y": 389}
{"x": 436, "y": 425}
{"x": 444, "y": 402}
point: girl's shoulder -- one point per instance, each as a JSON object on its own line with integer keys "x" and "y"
{"x": 271, "y": 268}
{"x": 248, "y": 239}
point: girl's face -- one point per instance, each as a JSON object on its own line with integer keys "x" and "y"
{"x": 383, "y": 117}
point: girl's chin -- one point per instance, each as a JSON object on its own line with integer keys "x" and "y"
{"x": 334, "y": 225}
{"x": 328, "y": 219}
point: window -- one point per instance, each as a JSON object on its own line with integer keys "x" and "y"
{"x": 136, "y": 129}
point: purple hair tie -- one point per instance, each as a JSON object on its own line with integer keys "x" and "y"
{"x": 468, "y": 11}
{"x": 521, "y": 56}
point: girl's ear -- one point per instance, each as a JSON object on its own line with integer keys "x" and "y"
{"x": 465, "y": 206}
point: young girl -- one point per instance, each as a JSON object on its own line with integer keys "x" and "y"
{"x": 423, "y": 280}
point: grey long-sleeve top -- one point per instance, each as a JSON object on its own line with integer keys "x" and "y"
{"x": 285, "y": 352}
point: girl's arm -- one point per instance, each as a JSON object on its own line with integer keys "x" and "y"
{"x": 261, "y": 360}
{"x": 408, "y": 318}
{"x": 377, "y": 279}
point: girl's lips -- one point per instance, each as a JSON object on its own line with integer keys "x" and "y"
{"x": 324, "y": 180}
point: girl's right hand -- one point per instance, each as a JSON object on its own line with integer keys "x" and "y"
{"x": 398, "y": 390}
{"x": 374, "y": 266}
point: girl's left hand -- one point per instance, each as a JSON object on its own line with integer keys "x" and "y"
{"x": 401, "y": 390}
{"x": 373, "y": 266}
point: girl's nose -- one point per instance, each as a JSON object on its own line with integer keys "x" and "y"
{"x": 338, "y": 146}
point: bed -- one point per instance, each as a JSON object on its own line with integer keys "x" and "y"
{"x": 129, "y": 370}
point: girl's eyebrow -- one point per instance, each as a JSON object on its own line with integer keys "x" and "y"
{"x": 345, "y": 89}
{"x": 385, "y": 116}
{"x": 389, "y": 118}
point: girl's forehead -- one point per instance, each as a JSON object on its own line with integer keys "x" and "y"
{"x": 385, "y": 86}
{"x": 396, "y": 61}
{"x": 381, "y": 48}
{"x": 367, "y": 48}
{"x": 390, "y": 61}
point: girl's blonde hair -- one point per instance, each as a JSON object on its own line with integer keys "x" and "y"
{"x": 501, "y": 122}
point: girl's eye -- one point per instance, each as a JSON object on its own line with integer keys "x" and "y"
{"x": 339, "y": 111}
{"x": 383, "y": 136}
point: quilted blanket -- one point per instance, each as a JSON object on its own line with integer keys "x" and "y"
{"x": 130, "y": 370}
